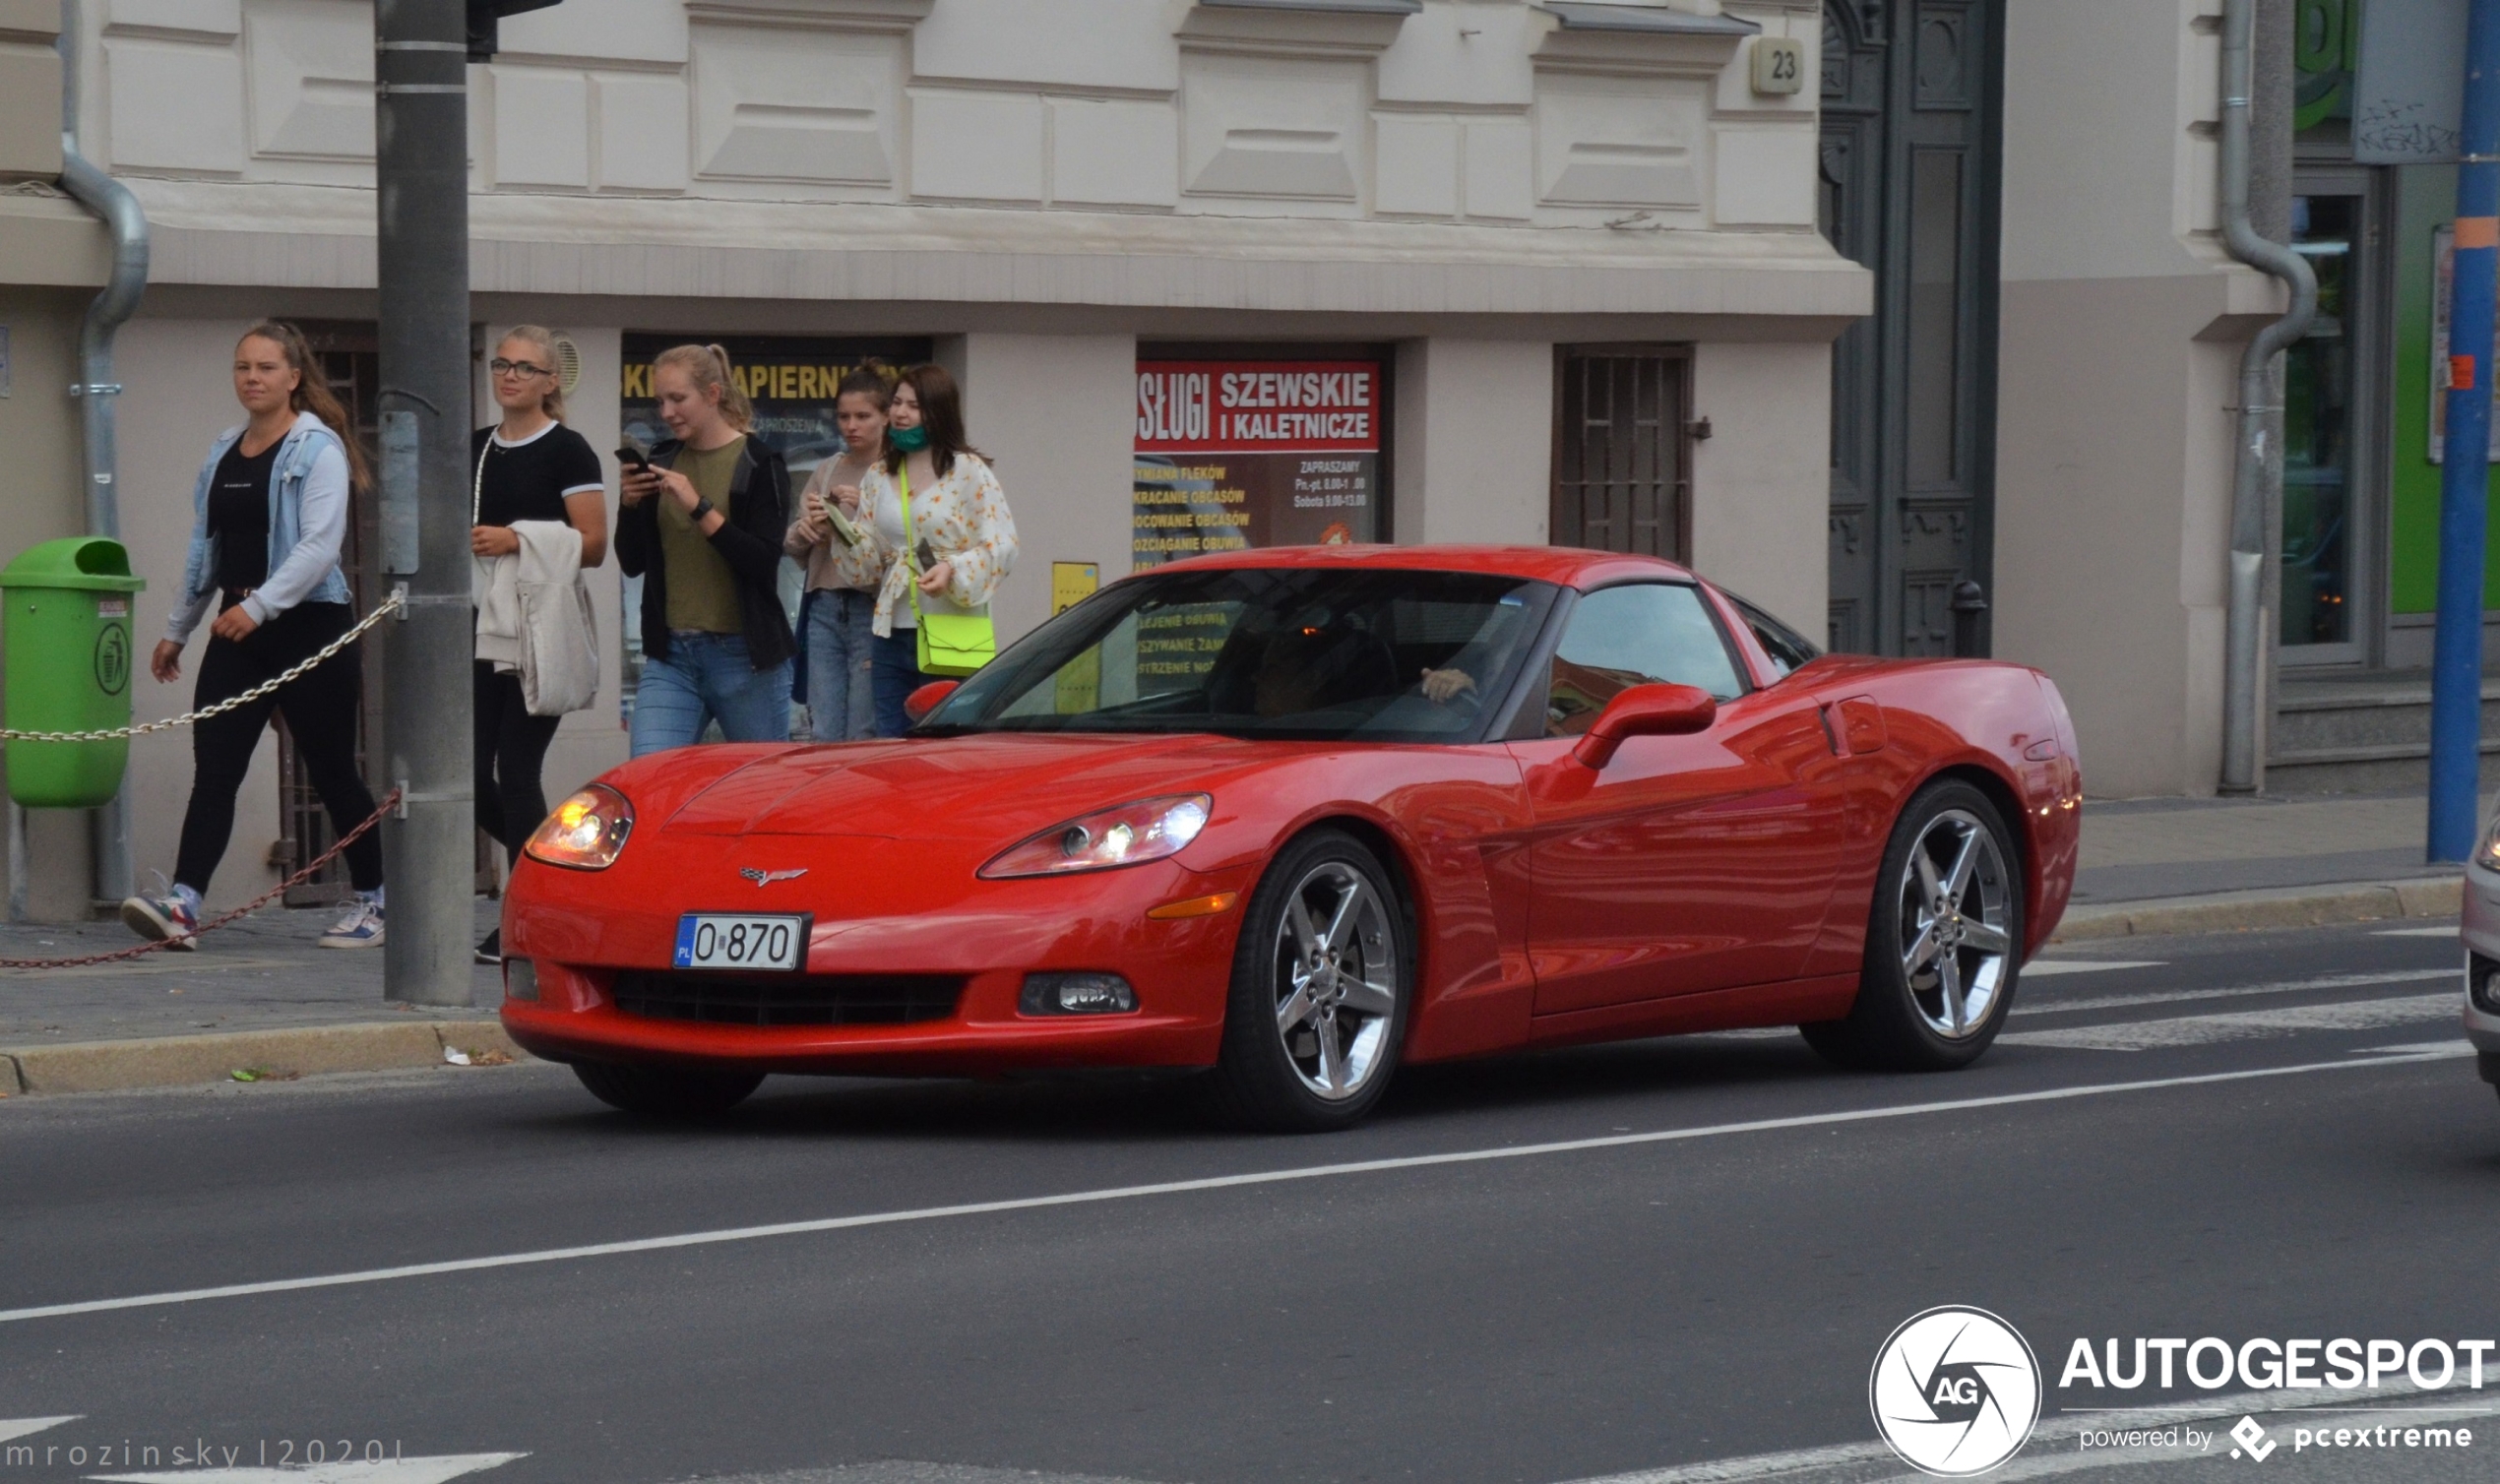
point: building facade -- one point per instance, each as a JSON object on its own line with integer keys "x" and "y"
{"x": 1241, "y": 271}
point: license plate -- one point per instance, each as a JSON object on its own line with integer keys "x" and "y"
{"x": 735, "y": 940}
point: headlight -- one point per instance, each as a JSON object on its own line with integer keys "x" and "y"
{"x": 1129, "y": 836}
{"x": 2487, "y": 854}
{"x": 585, "y": 831}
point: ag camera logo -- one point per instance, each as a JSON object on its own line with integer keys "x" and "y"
{"x": 1955, "y": 1391}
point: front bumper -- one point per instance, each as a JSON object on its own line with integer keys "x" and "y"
{"x": 2481, "y": 930}
{"x": 881, "y": 907}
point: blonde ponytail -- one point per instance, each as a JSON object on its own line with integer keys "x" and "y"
{"x": 709, "y": 368}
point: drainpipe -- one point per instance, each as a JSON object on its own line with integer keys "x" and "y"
{"x": 2244, "y": 631}
{"x": 96, "y": 390}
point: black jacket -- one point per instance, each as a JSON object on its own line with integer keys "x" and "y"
{"x": 749, "y": 540}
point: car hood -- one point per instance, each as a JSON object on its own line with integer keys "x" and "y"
{"x": 989, "y": 787}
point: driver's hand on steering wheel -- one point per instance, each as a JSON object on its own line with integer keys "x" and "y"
{"x": 1443, "y": 685}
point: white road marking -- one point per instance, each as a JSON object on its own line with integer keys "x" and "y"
{"x": 2451, "y": 931}
{"x": 2043, "y": 967}
{"x": 2055, "y": 1428}
{"x": 2458, "y": 1047}
{"x": 1172, "y": 1188}
{"x": 2246, "y": 1025}
{"x": 434, "y": 1470}
{"x": 21, "y": 1426}
{"x": 2240, "y": 991}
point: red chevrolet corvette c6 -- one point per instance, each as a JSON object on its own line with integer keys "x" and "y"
{"x": 1297, "y": 817}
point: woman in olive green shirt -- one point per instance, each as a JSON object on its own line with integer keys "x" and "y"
{"x": 701, "y": 527}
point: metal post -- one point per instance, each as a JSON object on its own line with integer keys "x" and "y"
{"x": 420, "y": 104}
{"x": 97, "y": 388}
{"x": 2255, "y": 470}
{"x": 2456, "y": 681}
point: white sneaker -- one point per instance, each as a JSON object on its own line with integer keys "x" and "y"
{"x": 361, "y": 928}
{"x": 166, "y": 919}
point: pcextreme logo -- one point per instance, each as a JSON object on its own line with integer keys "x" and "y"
{"x": 1955, "y": 1391}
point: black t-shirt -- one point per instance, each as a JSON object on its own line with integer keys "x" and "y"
{"x": 238, "y": 515}
{"x": 527, "y": 481}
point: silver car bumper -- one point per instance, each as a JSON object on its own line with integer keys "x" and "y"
{"x": 2482, "y": 933}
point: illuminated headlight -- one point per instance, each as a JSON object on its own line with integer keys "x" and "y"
{"x": 1077, "y": 995}
{"x": 1129, "y": 836}
{"x": 586, "y": 831}
{"x": 2487, "y": 854}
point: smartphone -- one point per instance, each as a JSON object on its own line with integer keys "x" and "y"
{"x": 632, "y": 457}
{"x": 926, "y": 555}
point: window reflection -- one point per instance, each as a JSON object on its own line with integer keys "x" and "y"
{"x": 2318, "y": 389}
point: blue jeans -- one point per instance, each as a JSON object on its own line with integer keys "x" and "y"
{"x": 895, "y": 669}
{"x": 706, "y": 677}
{"x": 841, "y": 705}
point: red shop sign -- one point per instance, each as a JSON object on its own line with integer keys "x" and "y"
{"x": 1258, "y": 407}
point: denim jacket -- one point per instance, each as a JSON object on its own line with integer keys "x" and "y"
{"x": 307, "y": 530}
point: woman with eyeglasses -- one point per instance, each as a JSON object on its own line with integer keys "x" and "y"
{"x": 529, "y": 467}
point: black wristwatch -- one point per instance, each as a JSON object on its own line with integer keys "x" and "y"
{"x": 703, "y": 508}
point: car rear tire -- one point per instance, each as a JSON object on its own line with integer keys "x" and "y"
{"x": 1320, "y": 987}
{"x": 666, "y": 1091}
{"x": 1944, "y": 940}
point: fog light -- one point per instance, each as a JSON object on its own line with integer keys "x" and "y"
{"x": 521, "y": 979}
{"x": 2482, "y": 983}
{"x": 1077, "y": 995}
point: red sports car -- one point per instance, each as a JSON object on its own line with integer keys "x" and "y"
{"x": 1296, "y": 816}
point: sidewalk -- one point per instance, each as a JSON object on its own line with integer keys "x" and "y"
{"x": 2206, "y": 865}
{"x": 260, "y": 998}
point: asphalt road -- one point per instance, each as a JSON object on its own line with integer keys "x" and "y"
{"x": 1665, "y": 1260}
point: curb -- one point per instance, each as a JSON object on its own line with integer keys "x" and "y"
{"x": 2297, "y": 907}
{"x": 295, "y": 1051}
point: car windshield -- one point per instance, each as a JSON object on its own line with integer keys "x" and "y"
{"x": 1321, "y": 653}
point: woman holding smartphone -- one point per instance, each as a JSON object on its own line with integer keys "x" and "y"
{"x": 269, "y": 517}
{"x": 701, "y": 525}
{"x": 961, "y": 538}
{"x": 528, "y": 468}
{"x": 843, "y": 566}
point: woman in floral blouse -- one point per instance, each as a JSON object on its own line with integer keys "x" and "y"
{"x": 964, "y": 538}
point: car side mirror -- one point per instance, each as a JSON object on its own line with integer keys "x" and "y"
{"x": 927, "y": 698}
{"x": 1646, "y": 710}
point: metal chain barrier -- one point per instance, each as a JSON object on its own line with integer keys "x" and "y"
{"x": 390, "y": 605}
{"x": 245, "y": 910}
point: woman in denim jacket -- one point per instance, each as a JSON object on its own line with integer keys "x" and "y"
{"x": 269, "y": 517}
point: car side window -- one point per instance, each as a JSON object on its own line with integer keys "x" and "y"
{"x": 1789, "y": 650}
{"x": 1639, "y": 633}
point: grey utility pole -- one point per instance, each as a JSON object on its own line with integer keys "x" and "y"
{"x": 421, "y": 131}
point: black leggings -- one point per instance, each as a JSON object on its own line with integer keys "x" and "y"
{"x": 320, "y": 708}
{"x": 512, "y": 745}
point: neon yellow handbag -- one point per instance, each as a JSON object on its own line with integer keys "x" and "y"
{"x": 951, "y": 643}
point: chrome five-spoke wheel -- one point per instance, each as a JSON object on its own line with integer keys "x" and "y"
{"x": 1317, "y": 1010}
{"x": 1335, "y": 980}
{"x": 1956, "y": 938}
{"x": 1943, "y": 939}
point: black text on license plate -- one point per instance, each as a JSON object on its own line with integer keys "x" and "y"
{"x": 726, "y": 940}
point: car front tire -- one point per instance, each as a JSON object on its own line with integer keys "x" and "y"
{"x": 666, "y": 1091}
{"x": 1321, "y": 982}
{"x": 1944, "y": 940}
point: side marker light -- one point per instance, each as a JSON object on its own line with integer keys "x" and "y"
{"x": 1195, "y": 907}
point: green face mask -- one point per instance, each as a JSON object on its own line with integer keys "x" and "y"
{"x": 911, "y": 440}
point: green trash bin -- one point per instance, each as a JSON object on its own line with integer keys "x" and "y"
{"x": 69, "y": 657}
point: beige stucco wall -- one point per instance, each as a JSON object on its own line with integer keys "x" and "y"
{"x": 1057, "y": 414}
{"x": 1472, "y": 457}
{"x": 1762, "y": 479}
{"x": 2120, "y": 324}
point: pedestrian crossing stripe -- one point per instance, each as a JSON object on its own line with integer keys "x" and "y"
{"x": 20, "y": 1427}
